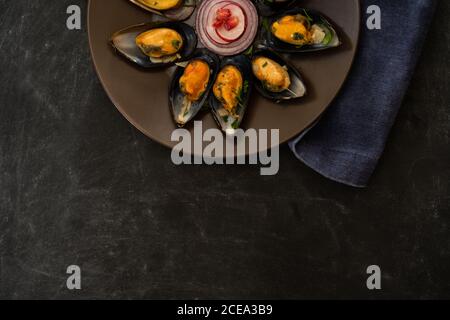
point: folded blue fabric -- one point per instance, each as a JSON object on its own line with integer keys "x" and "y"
{"x": 347, "y": 142}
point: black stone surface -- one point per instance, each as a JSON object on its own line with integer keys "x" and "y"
{"x": 79, "y": 185}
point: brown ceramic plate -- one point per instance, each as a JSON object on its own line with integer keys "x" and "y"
{"x": 142, "y": 95}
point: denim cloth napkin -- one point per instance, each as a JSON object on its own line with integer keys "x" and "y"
{"x": 347, "y": 142}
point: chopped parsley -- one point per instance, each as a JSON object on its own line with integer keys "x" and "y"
{"x": 176, "y": 44}
{"x": 297, "y": 36}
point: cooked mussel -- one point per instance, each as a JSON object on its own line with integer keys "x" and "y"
{"x": 231, "y": 92}
{"x": 156, "y": 44}
{"x": 275, "y": 78}
{"x": 191, "y": 85}
{"x": 270, "y": 7}
{"x": 300, "y": 30}
{"x": 172, "y": 9}
{"x": 160, "y": 43}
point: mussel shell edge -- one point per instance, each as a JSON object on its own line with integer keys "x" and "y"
{"x": 266, "y": 9}
{"x": 176, "y": 14}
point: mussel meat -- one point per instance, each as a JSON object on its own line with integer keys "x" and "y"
{"x": 191, "y": 85}
{"x": 231, "y": 92}
{"x": 161, "y": 5}
{"x": 160, "y": 43}
{"x": 300, "y": 30}
{"x": 172, "y": 9}
{"x": 156, "y": 44}
{"x": 272, "y": 75}
{"x": 275, "y": 78}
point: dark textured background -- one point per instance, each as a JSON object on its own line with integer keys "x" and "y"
{"x": 79, "y": 185}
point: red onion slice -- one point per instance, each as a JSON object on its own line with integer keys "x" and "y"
{"x": 207, "y": 33}
{"x": 235, "y": 33}
{"x": 211, "y": 17}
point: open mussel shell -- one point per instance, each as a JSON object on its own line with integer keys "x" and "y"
{"x": 230, "y": 121}
{"x": 181, "y": 10}
{"x": 184, "y": 110}
{"x": 124, "y": 41}
{"x": 296, "y": 89}
{"x": 331, "y": 39}
{"x": 271, "y": 7}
